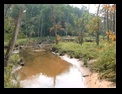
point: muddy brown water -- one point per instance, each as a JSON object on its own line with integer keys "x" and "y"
{"x": 46, "y": 70}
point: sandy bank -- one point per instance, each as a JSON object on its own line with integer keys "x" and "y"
{"x": 92, "y": 80}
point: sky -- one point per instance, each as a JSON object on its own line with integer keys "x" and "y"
{"x": 92, "y": 9}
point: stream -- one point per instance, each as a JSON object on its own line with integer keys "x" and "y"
{"x": 44, "y": 69}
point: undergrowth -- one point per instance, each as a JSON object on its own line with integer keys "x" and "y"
{"x": 9, "y": 79}
{"x": 105, "y": 54}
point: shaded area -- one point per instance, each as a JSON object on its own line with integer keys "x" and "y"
{"x": 41, "y": 62}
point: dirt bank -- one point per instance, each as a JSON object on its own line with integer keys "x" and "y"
{"x": 90, "y": 79}
{"x": 93, "y": 81}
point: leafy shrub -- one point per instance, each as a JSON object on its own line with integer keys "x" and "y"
{"x": 106, "y": 64}
{"x": 8, "y": 78}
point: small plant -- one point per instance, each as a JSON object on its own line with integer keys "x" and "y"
{"x": 9, "y": 82}
{"x": 85, "y": 62}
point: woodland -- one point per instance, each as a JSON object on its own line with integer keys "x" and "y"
{"x": 70, "y": 30}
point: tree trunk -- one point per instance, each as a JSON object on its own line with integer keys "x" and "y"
{"x": 114, "y": 21}
{"x": 26, "y": 30}
{"x": 81, "y": 37}
{"x": 107, "y": 26}
{"x": 97, "y": 32}
{"x": 13, "y": 40}
{"x": 83, "y": 27}
{"x": 104, "y": 27}
{"x": 111, "y": 21}
{"x": 67, "y": 27}
{"x": 54, "y": 23}
{"x": 97, "y": 38}
{"x": 41, "y": 27}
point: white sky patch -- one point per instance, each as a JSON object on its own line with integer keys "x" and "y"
{"x": 24, "y": 11}
{"x": 93, "y": 8}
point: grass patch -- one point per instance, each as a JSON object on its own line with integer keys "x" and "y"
{"x": 76, "y": 50}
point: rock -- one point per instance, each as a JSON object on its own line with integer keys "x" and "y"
{"x": 89, "y": 40}
{"x": 53, "y": 49}
{"x": 21, "y": 62}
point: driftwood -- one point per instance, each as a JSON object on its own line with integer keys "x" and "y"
{"x": 89, "y": 40}
{"x": 85, "y": 75}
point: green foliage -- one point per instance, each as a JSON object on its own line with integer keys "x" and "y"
{"x": 106, "y": 63}
{"x": 85, "y": 60}
{"x": 76, "y": 50}
{"x": 21, "y": 34}
{"x": 14, "y": 58}
{"x": 8, "y": 28}
{"x": 92, "y": 25}
{"x": 8, "y": 78}
{"x": 32, "y": 20}
{"x": 15, "y": 11}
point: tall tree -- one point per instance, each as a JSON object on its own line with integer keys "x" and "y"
{"x": 107, "y": 22}
{"x": 14, "y": 37}
{"x": 98, "y": 26}
{"x": 114, "y": 18}
{"x": 41, "y": 26}
{"x": 81, "y": 23}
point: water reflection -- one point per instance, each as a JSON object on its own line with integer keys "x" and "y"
{"x": 45, "y": 70}
{"x": 68, "y": 79}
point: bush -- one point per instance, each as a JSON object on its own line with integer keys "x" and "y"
{"x": 14, "y": 58}
{"x": 85, "y": 60}
{"x": 8, "y": 78}
{"x": 76, "y": 50}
